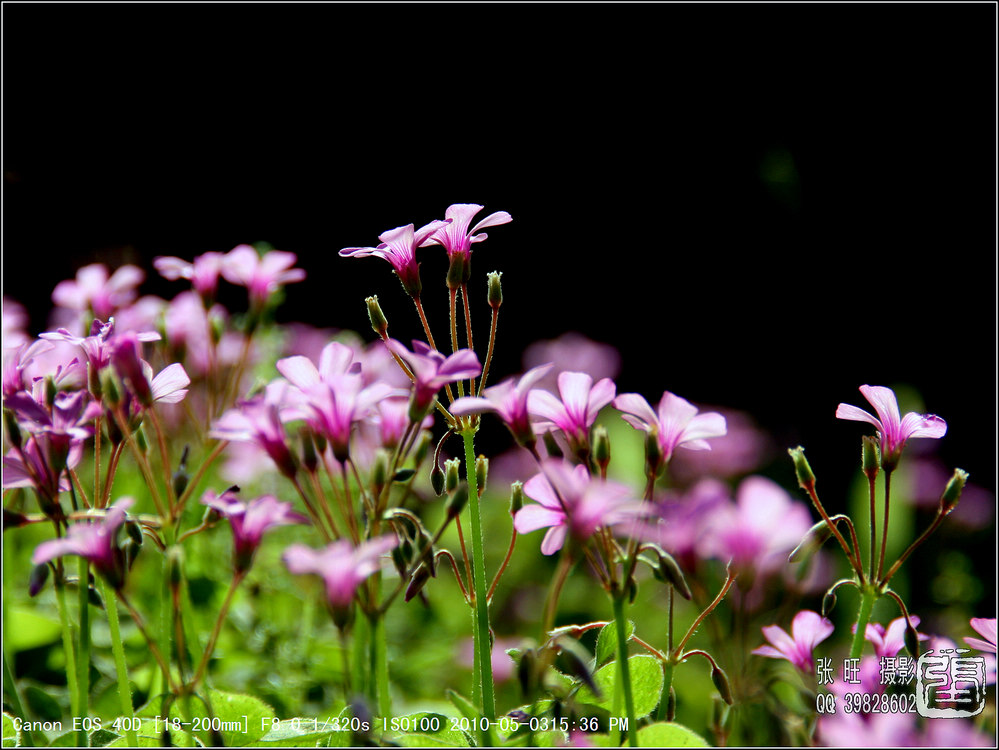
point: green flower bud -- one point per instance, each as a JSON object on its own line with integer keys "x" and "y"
{"x": 481, "y": 473}
{"x": 378, "y": 322}
{"x": 814, "y": 538}
{"x": 495, "y": 295}
{"x": 516, "y": 497}
{"x": 175, "y": 565}
{"x": 457, "y": 501}
{"x": 654, "y": 463}
{"x": 451, "y": 476}
{"x": 310, "y": 459}
{"x": 671, "y": 704}
{"x": 379, "y": 471}
{"x": 806, "y": 479}
{"x": 11, "y": 429}
{"x": 37, "y": 578}
{"x": 720, "y": 679}
{"x": 952, "y": 492}
{"x": 551, "y": 446}
{"x": 437, "y": 480}
{"x": 870, "y": 458}
{"x": 601, "y": 446}
{"x": 420, "y": 577}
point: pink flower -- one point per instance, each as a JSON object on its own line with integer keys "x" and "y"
{"x": 676, "y": 425}
{"x": 986, "y": 627}
{"x": 258, "y": 420}
{"x": 93, "y": 541}
{"x": 398, "y": 247}
{"x": 250, "y": 520}
{"x": 509, "y": 400}
{"x": 892, "y": 431}
{"x": 457, "y": 238}
{"x": 577, "y": 409}
{"x": 261, "y": 276}
{"x": 889, "y": 641}
{"x": 203, "y": 273}
{"x": 571, "y": 502}
{"x": 168, "y": 387}
{"x": 342, "y": 566}
{"x": 432, "y": 371}
{"x": 575, "y": 352}
{"x": 808, "y": 629}
{"x": 98, "y": 346}
{"x": 92, "y": 290}
{"x": 335, "y": 359}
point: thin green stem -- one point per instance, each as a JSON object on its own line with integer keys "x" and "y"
{"x": 884, "y": 531}
{"x": 118, "y": 649}
{"x": 874, "y": 523}
{"x": 868, "y": 595}
{"x": 430, "y": 338}
{"x": 213, "y": 638}
{"x": 468, "y": 331}
{"x": 10, "y": 689}
{"x": 668, "y": 663}
{"x": 937, "y": 520}
{"x": 83, "y": 650}
{"x": 481, "y": 600}
{"x": 489, "y": 350}
{"x": 67, "y": 644}
{"x": 624, "y": 671}
{"x": 454, "y": 331}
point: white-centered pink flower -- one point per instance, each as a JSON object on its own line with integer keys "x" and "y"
{"x": 250, "y": 520}
{"x": 508, "y": 400}
{"x": 676, "y": 422}
{"x": 93, "y": 290}
{"x": 398, "y": 247}
{"x": 454, "y": 233}
{"x": 808, "y": 629}
{"x": 893, "y": 431}
{"x": 262, "y": 276}
{"x": 576, "y": 411}
{"x": 986, "y": 627}
{"x": 432, "y": 371}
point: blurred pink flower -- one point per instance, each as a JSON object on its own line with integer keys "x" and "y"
{"x": 889, "y": 641}
{"x": 571, "y": 502}
{"x": 892, "y": 431}
{"x": 398, "y": 247}
{"x": 94, "y": 542}
{"x": 508, "y": 400}
{"x": 258, "y": 420}
{"x": 203, "y": 273}
{"x": 986, "y": 627}
{"x": 573, "y": 352}
{"x": 250, "y": 520}
{"x": 94, "y": 291}
{"x": 432, "y": 370}
{"x": 262, "y": 276}
{"x": 808, "y": 629}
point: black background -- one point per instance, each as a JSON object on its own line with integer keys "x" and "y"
{"x": 762, "y": 206}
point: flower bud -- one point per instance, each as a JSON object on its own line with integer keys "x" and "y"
{"x": 420, "y": 577}
{"x": 911, "y": 640}
{"x": 379, "y": 471}
{"x": 37, "y": 578}
{"x": 12, "y": 519}
{"x": 720, "y": 679}
{"x": 140, "y": 439}
{"x": 458, "y": 271}
{"x": 134, "y": 532}
{"x": 378, "y": 322}
{"x": 175, "y": 565}
{"x": 516, "y": 497}
{"x": 668, "y": 571}
{"x": 495, "y": 294}
{"x": 870, "y": 458}
{"x": 11, "y": 428}
{"x": 110, "y": 388}
{"x": 654, "y": 464}
{"x": 551, "y": 447}
{"x": 601, "y": 447}
{"x": 181, "y": 477}
{"x": 806, "y": 479}
{"x": 814, "y": 538}
{"x": 952, "y": 492}
{"x": 671, "y": 704}
{"x": 481, "y": 473}
{"x": 451, "y": 478}
{"x": 573, "y": 661}
{"x": 310, "y": 460}
{"x": 437, "y": 480}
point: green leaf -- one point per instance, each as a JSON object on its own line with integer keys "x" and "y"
{"x": 669, "y": 734}
{"x": 607, "y": 641}
{"x": 102, "y": 737}
{"x": 25, "y": 629}
{"x": 41, "y": 704}
{"x": 246, "y": 712}
{"x": 10, "y": 735}
{"x": 303, "y": 733}
{"x": 148, "y": 741}
{"x": 646, "y": 684}
{"x": 464, "y": 706}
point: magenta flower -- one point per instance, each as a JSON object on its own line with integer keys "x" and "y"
{"x": 93, "y": 541}
{"x": 571, "y": 502}
{"x": 889, "y": 641}
{"x": 258, "y": 420}
{"x": 250, "y": 520}
{"x": 98, "y": 346}
{"x": 576, "y": 411}
{"x": 432, "y": 371}
{"x": 203, "y": 273}
{"x": 509, "y": 400}
{"x": 335, "y": 359}
{"x": 16, "y": 362}
{"x": 92, "y": 290}
{"x": 808, "y": 629}
{"x": 261, "y": 276}
{"x": 985, "y": 627}
{"x": 457, "y": 238}
{"x": 892, "y": 431}
{"x": 676, "y": 424}
{"x": 574, "y": 352}
{"x": 342, "y": 566}
{"x": 398, "y": 247}
{"x": 168, "y": 387}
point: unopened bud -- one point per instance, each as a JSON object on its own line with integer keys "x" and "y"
{"x": 451, "y": 477}
{"x": 870, "y": 458}
{"x": 516, "y": 497}
{"x": 12, "y": 519}
{"x": 669, "y": 572}
{"x": 571, "y": 661}
{"x": 457, "y": 501}
{"x": 380, "y": 470}
{"x": 378, "y": 322}
{"x": 495, "y": 295}
{"x": 437, "y": 480}
{"x": 601, "y": 446}
{"x": 458, "y": 271}
{"x": 814, "y": 538}
{"x": 420, "y": 577}
{"x": 11, "y": 428}
{"x": 806, "y": 479}
{"x": 911, "y": 640}
{"x": 527, "y": 674}
{"x": 952, "y": 492}
{"x": 310, "y": 460}
{"x": 110, "y": 387}
{"x": 181, "y": 477}
{"x": 671, "y": 704}
{"x": 140, "y": 439}
{"x": 175, "y": 565}
{"x": 37, "y": 578}
{"x": 481, "y": 473}
{"x": 551, "y": 447}
{"x": 654, "y": 463}
{"x": 134, "y": 532}
{"x": 720, "y": 679}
